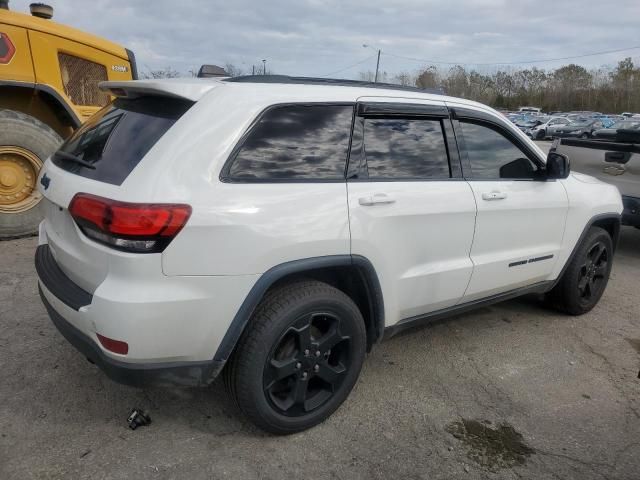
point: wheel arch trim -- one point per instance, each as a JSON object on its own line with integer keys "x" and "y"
{"x": 615, "y": 218}
{"x": 278, "y": 272}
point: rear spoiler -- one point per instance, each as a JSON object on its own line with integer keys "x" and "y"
{"x": 188, "y": 89}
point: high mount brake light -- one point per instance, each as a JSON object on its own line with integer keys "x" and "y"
{"x": 131, "y": 227}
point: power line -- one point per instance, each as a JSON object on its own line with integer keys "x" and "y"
{"x": 350, "y": 66}
{"x": 522, "y": 62}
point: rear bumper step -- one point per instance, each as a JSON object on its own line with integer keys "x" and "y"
{"x": 57, "y": 282}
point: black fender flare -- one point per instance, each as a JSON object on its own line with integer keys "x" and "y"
{"x": 617, "y": 221}
{"x": 271, "y": 276}
{"x": 49, "y": 93}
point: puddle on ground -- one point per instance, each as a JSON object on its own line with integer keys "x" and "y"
{"x": 635, "y": 343}
{"x": 492, "y": 448}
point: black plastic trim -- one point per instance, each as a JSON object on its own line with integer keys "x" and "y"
{"x": 285, "y": 79}
{"x": 411, "y": 322}
{"x": 187, "y": 374}
{"x": 132, "y": 62}
{"x": 401, "y": 109}
{"x": 631, "y": 213}
{"x": 72, "y": 117}
{"x": 278, "y": 272}
{"x": 57, "y": 282}
{"x": 594, "y": 219}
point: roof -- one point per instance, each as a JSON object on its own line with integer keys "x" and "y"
{"x": 285, "y": 79}
{"x": 195, "y": 88}
{"x": 50, "y": 27}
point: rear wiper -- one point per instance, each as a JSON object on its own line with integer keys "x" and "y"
{"x": 72, "y": 158}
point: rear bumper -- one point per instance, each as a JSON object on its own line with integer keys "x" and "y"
{"x": 150, "y": 327}
{"x": 134, "y": 374}
{"x": 631, "y": 213}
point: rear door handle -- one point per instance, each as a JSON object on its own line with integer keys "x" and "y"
{"x": 376, "y": 199}
{"x": 494, "y": 196}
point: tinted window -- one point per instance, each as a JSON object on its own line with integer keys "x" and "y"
{"x": 494, "y": 156}
{"x": 116, "y": 138}
{"x": 402, "y": 148}
{"x": 296, "y": 142}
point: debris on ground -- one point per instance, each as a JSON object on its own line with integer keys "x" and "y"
{"x": 137, "y": 418}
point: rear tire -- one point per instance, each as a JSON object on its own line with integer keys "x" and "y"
{"x": 25, "y": 143}
{"x": 298, "y": 358}
{"x": 586, "y": 276}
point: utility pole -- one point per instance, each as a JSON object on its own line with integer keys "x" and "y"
{"x": 253, "y": 69}
{"x": 377, "y": 63}
{"x": 264, "y": 67}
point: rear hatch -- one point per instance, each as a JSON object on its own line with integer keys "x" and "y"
{"x": 96, "y": 160}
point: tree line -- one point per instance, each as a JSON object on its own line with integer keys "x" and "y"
{"x": 567, "y": 88}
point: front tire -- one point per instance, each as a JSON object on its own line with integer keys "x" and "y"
{"x": 586, "y": 277}
{"x": 25, "y": 143}
{"x": 299, "y": 357}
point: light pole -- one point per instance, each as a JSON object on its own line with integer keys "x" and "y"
{"x": 264, "y": 67}
{"x": 377, "y": 63}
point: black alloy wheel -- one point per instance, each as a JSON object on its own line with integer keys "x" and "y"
{"x": 308, "y": 364}
{"x": 586, "y": 276}
{"x": 593, "y": 272}
{"x": 299, "y": 357}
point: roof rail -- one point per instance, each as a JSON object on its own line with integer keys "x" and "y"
{"x": 285, "y": 79}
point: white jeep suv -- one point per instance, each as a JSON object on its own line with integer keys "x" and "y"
{"x": 275, "y": 228}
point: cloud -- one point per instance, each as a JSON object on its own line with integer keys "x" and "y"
{"x": 315, "y": 37}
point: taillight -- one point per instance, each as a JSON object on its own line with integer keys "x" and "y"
{"x": 6, "y": 48}
{"x": 132, "y": 227}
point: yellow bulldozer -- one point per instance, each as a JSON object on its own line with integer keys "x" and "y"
{"x": 49, "y": 75}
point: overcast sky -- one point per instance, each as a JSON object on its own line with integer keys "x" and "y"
{"x": 324, "y": 37}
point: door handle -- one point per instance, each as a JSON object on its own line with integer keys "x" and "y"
{"x": 376, "y": 199}
{"x": 494, "y": 196}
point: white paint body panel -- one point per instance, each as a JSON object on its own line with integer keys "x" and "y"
{"x": 177, "y": 306}
{"x": 527, "y": 223}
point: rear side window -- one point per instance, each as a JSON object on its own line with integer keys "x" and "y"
{"x": 397, "y": 149}
{"x": 114, "y": 140}
{"x": 295, "y": 142}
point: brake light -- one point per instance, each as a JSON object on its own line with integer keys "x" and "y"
{"x": 132, "y": 227}
{"x": 6, "y": 48}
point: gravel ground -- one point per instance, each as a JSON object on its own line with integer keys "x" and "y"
{"x": 511, "y": 391}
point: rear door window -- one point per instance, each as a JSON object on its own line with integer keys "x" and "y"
{"x": 295, "y": 143}
{"x": 111, "y": 144}
{"x": 405, "y": 149}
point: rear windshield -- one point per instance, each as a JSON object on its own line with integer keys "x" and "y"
{"x": 109, "y": 146}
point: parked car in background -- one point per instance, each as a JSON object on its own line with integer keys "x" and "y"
{"x": 530, "y": 109}
{"x": 582, "y": 128}
{"x": 611, "y": 131}
{"x": 541, "y": 131}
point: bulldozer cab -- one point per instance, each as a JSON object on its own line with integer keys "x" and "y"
{"x": 49, "y": 75}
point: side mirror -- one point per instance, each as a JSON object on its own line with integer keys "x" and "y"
{"x": 557, "y": 165}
